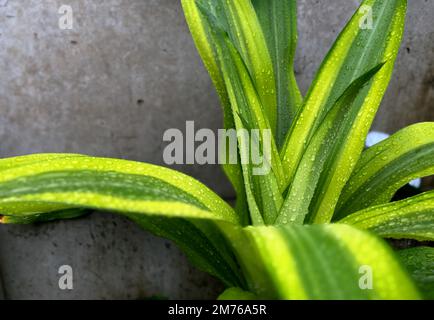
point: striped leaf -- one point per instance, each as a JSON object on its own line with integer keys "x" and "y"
{"x": 321, "y": 160}
{"x": 239, "y": 20}
{"x": 248, "y": 116}
{"x": 248, "y": 47}
{"x": 262, "y": 189}
{"x": 355, "y": 51}
{"x": 412, "y": 218}
{"x": 419, "y": 262}
{"x": 147, "y": 194}
{"x": 14, "y": 162}
{"x": 246, "y": 33}
{"x": 319, "y": 262}
{"x": 273, "y": 260}
{"x": 387, "y": 166}
{"x": 278, "y": 19}
{"x": 201, "y": 33}
{"x": 55, "y": 180}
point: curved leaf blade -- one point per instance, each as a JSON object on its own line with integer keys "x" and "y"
{"x": 355, "y": 51}
{"x": 239, "y": 21}
{"x": 78, "y": 182}
{"x": 278, "y": 19}
{"x": 262, "y": 189}
{"x": 14, "y": 162}
{"x": 164, "y": 201}
{"x": 420, "y": 263}
{"x": 201, "y": 33}
{"x": 412, "y": 218}
{"x": 322, "y": 157}
{"x": 387, "y": 166}
{"x": 318, "y": 262}
{"x": 247, "y": 35}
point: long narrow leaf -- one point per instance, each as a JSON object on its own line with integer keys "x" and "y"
{"x": 14, "y": 162}
{"x": 246, "y": 33}
{"x": 278, "y": 19}
{"x": 387, "y": 166}
{"x": 239, "y": 20}
{"x": 147, "y": 194}
{"x": 200, "y": 31}
{"x": 262, "y": 190}
{"x": 319, "y": 262}
{"x": 354, "y": 52}
{"x": 412, "y": 218}
{"x": 52, "y": 182}
{"x": 321, "y": 154}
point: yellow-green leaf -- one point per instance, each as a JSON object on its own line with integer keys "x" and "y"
{"x": 319, "y": 262}
{"x": 387, "y": 166}
{"x": 166, "y": 202}
{"x": 200, "y": 31}
{"x": 322, "y": 158}
{"x": 278, "y": 19}
{"x": 355, "y": 51}
{"x": 412, "y": 218}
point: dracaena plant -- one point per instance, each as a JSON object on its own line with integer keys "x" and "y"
{"x": 309, "y": 227}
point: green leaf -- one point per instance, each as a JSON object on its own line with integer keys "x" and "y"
{"x": 236, "y": 294}
{"x": 419, "y": 262}
{"x": 412, "y": 218}
{"x": 246, "y": 34}
{"x": 278, "y": 19}
{"x": 262, "y": 189}
{"x": 200, "y": 31}
{"x": 14, "y": 162}
{"x": 27, "y": 160}
{"x": 319, "y": 262}
{"x": 111, "y": 184}
{"x": 329, "y": 271}
{"x": 355, "y": 51}
{"x": 202, "y": 242}
{"x": 31, "y": 218}
{"x": 145, "y": 193}
{"x": 239, "y": 20}
{"x": 387, "y": 166}
{"x": 244, "y": 102}
{"x": 322, "y": 158}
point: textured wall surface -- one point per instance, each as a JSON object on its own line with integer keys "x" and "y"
{"x": 110, "y": 87}
{"x": 111, "y": 258}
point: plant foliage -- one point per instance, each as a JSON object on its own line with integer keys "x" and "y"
{"x": 279, "y": 242}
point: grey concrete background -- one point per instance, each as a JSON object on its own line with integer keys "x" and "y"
{"x": 110, "y": 87}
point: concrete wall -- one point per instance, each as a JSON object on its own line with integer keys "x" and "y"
{"x": 110, "y": 87}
